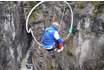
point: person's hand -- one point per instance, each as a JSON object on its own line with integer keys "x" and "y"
{"x": 65, "y": 39}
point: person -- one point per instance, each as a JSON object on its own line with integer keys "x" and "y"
{"x": 51, "y": 39}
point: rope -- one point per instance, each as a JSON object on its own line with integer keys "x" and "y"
{"x": 61, "y": 18}
{"x": 71, "y": 27}
{"x": 30, "y": 30}
{"x": 70, "y": 30}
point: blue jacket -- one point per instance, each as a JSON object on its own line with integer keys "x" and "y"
{"x": 48, "y": 37}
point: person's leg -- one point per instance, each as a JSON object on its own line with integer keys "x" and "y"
{"x": 56, "y": 44}
{"x": 50, "y": 49}
{"x": 54, "y": 47}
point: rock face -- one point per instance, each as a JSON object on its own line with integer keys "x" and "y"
{"x": 13, "y": 36}
{"x": 88, "y": 41}
{"x": 84, "y": 50}
{"x": 88, "y": 44}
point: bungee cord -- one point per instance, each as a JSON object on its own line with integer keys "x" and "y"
{"x": 30, "y": 30}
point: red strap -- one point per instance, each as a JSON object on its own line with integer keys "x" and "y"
{"x": 60, "y": 46}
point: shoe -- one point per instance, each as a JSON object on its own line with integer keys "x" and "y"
{"x": 59, "y": 50}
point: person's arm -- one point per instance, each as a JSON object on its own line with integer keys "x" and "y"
{"x": 57, "y": 37}
{"x": 59, "y": 40}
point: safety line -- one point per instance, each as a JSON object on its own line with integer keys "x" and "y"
{"x": 61, "y": 19}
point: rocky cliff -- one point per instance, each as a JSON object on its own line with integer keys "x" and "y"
{"x": 84, "y": 50}
{"x": 14, "y": 40}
